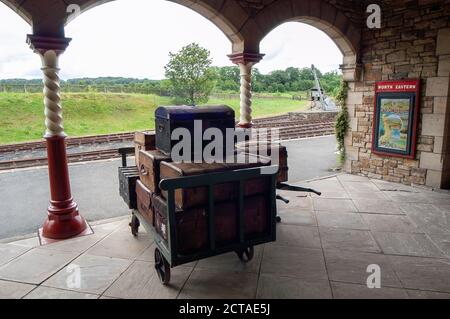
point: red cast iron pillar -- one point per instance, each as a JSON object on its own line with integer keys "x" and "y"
{"x": 246, "y": 61}
{"x": 63, "y": 220}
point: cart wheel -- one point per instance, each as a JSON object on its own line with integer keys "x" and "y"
{"x": 278, "y": 219}
{"x": 245, "y": 255}
{"x": 162, "y": 267}
{"x": 134, "y": 224}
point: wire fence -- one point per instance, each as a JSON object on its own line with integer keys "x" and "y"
{"x": 68, "y": 88}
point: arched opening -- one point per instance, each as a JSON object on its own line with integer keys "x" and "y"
{"x": 291, "y": 49}
{"x": 111, "y": 48}
{"x": 16, "y": 61}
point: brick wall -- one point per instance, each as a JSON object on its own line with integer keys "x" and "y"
{"x": 414, "y": 42}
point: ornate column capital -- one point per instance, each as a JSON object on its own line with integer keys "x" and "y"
{"x": 41, "y": 44}
{"x": 245, "y": 58}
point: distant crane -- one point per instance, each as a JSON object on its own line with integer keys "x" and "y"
{"x": 318, "y": 96}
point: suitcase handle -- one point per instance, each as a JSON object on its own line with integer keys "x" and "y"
{"x": 143, "y": 170}
{"x": 160, "y": 128}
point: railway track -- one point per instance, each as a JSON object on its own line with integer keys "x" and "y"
{"x": 288, "y": 130}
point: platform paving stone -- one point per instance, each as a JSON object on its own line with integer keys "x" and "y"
{"x": 76, "y": 245}
{"x": 359, "y": 187}
{"x": 354, "y": 291}
{"x": 334, "y": 205}
{"x": 352, "y": 178}
{"x": 408, "y": 197}
{"x": 369, "y": 195}
{"x": 348, "y": 239}
{"x": 272, "y": 286}
{"x": 323, "y": 248}
{"x": 341, "y": 220}
{"x": 218, "y": 284}
{"x": 390, "y": 223}
{"x": 14, "y": 290}
{"x": 386, "y": 186}
{"x": 120, "y": 244}
{"x": 8, "y": 252}
{"x": 295, "y": 216}
{"x": 351, "y": 267}
{"x": 377, "y": 206}
{"x": 442, "y": 242}
{"x": 302, "y": 263}
{"x": 231, "y": 262}
{"x": 36, "y": 265}
{"x": 43, "y": 292}
{"x": 294, "y": 235}
{"x": 328, "y": 188}
{"x": 97, "y": 274}
{"x": 31, "y": 242}
{"x": 422, "y": 294}
{"x": 303, "y": 202}
{"x": 140, "y": 281}
{"x": 422, "y": 273}
{"x": 429, "y": 218}
{"x": 407, "y": 244}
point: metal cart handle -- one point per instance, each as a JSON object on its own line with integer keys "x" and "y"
{"x": 124, "y": 151}
{"x": 287, "y": 187}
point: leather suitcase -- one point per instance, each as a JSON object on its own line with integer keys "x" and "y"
{"x": 191, "y": 197}
{"x": 192, "y": 224}
{"x": 143, "y": 141}
{"x": 266, "y": 149}
{"x": 127, "y": 185}
{"x": 144, "y": 202}
{"x": 169, "y": 118}
{"x": 149, "y": 168}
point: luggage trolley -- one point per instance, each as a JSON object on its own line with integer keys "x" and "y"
{"x": 166, "y": 253}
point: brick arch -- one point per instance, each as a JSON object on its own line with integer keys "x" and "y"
{"x": 48, "y": 17}
{"x": 214, "y": 11}
{"x": 318, "y": 13}
{"x": 13, "y": 5}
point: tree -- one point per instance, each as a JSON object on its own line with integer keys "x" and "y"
{"x": 190, "y": 74}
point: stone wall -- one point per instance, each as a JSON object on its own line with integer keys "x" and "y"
{"x": 414, "y": 42}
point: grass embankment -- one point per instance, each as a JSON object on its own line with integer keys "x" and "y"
{"x": 22, "y": 118}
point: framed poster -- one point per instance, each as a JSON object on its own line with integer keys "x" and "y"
{"x": 395, "y": 118}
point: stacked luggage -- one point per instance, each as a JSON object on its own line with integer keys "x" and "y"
{"x": 243, "y": 208}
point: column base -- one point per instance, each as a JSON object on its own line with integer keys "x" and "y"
{"x": 43, "y": 240}
{"x": 63, "y": 223}
{"x": 245, "y": 125}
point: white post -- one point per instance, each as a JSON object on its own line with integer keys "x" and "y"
{"x": 246, "y": 94}
{"x": 246, "y": 61}
{"x": 52, "y": 98}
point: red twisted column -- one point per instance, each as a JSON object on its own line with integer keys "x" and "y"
{"x": 246, "y": 61}
{"x": 63, "y": 219}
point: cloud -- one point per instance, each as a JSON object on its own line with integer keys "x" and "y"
{"x": 135, "y": 37}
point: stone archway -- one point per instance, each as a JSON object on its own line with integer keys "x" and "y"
{"x": 343, "y": 31}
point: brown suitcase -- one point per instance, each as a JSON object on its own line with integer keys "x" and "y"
{"x": 144, "y": 202}
{"x": 192, "y": 224}
{"x": 143, "y": 141}
{"x": 149, "y": 168}
{"x": 266, "y": 149}
{"x": 198, "y": 196}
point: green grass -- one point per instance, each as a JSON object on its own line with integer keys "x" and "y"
{"x": 22, "y": 115}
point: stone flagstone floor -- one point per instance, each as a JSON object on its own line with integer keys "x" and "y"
{"x": 324, "y": 247}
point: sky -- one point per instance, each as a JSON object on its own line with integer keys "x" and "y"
{"x": 132, "y": 38}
